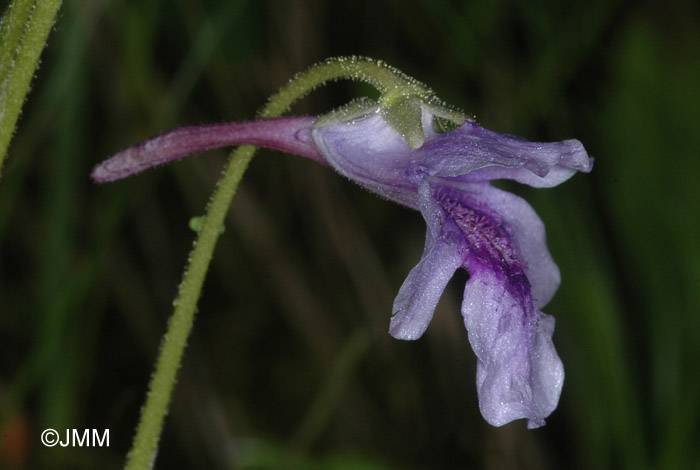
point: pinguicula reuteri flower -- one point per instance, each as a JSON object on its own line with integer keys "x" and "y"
{"x": 496, "y": 236}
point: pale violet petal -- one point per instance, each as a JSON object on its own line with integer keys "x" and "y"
{"x": 477, "y": 154}
{"x": 370, "y": 152}
{"x": 419, "y": 295}
{"x": 527, "y": 232}
{"x": 442, "y": 256}
{"x": 519, "y": 374}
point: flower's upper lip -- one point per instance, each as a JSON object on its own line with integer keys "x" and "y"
{"x": 471, "y": 147}
{"x": 368, "y": 151}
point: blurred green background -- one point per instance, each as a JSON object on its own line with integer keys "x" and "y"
{"x": 290, "y": 364}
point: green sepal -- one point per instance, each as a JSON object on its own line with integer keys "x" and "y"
{"x": 403, "y": 113}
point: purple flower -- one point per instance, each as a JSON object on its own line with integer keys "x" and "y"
{"x": 496, "y": 236}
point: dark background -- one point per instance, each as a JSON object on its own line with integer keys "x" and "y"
{"x": 290, "y": 363}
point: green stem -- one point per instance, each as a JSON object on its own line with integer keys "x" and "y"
{"x": 384, "y": 78}
{"x": 14, "y": 23}
{"x": 25, "y": 27}
{"x": 378, "y": 74}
